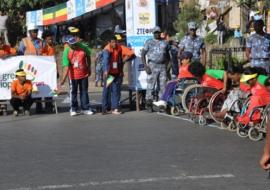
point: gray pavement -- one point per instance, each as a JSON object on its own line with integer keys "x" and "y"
{"x": 133, "y": 151}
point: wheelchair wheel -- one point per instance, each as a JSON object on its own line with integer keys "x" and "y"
{"x": 255, "y": 134}
{"x": 232, "y": 126}
{"x": 202, "y": 120}
{"x": 223, "y": 126}
{"x": 215, "y": 105}
{"x": 189, "y": 92}
{"x": 241, "y": 132}
{"x": 175, "y": 111}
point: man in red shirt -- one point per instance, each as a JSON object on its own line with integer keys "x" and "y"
{"x": 78, "y": 68}
{"x": 114, "y": 56}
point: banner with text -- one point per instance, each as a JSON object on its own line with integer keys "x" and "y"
{"x": 140, "y": 20}
{"x": 41, "y": 70}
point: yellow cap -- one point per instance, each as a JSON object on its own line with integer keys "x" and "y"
{"x": 20, "y": 74}
{"x": 246, "y": 78}
{"x": 72, "y": 29}
{"x": 118, "y": 37}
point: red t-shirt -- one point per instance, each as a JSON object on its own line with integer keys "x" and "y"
{"x": 212, "y": 82}
{"x": 184, "y": 72}
{"x": 78, "y": 68}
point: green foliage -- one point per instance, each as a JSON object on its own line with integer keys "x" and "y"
{"x": 210, "y": 38}
{"x": 250, "y": 3}
{"x": 189, "y": 12}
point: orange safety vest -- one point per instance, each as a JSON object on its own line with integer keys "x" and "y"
{"x": 115, "y": 62}
{"x": 30, "y": 49}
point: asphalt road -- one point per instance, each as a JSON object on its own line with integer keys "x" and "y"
{"x": 133, "y": 151}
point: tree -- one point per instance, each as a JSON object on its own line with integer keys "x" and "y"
{"x": 189, "y": 12}
{"x": 16, "y": 11}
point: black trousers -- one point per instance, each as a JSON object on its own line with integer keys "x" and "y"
{"x": 16, "y": 103}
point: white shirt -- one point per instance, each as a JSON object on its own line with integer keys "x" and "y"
{"x": 3, "y": 20}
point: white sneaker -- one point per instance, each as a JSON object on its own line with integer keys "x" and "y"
{"x": 73, "y": 113}
{"x": 160, "y": 103}
{"x": 87, "y": 112}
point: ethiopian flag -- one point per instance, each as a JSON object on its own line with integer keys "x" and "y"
{"x": 55, "y": 14}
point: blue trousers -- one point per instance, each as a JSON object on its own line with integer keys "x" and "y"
{"x": 82, "y": 85}
{"x": 111, "y": 94}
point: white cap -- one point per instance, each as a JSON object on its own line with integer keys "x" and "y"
{"x": 192, "y": 25}
{"x": 32, "y": 27}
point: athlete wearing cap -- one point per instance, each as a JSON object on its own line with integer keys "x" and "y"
{"x": 21, "y": 90}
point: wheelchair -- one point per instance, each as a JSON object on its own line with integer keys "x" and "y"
{"x": 195, "y": 102}
{"x": 174, "y": 103}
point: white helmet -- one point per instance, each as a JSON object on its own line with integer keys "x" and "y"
{"x": 32, "y": 27}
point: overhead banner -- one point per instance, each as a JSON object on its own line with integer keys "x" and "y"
{"x": 41, "y": 70}
{"x": 140, "y": 21}
{"x": 63, "y": 12}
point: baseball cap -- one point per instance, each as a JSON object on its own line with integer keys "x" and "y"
{"x": 72, "y": 40}
{"x": 73, "y": 29}
{"x": 186, "y": 55}
{"x": 156, "y": 29}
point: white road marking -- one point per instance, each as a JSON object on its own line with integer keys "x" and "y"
{"x": 128, "y": 181}
{"x": 185, "y": 119}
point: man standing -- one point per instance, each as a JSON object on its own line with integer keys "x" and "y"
{"x": 157, "y": 52}
{"x": 3, "y": 27}
{"x": 194, "y": 44}
{"x": 78, "y": 67}
{"x": 114, "y": 57}
{"x": 21, "y": 90}
{"x": 258, "y": 47}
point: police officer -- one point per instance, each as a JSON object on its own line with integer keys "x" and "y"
{"x": 193, "y": 43}
{"x": 258, "y": 47}
{"x": 157, "y": 52}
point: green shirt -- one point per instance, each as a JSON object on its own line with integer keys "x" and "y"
{"x": 83, "y": 46}
{"x": 261, "y": 79}
{"x": 217, "y": 74}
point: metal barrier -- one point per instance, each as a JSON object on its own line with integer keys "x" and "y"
{"x": 225, "y": 53}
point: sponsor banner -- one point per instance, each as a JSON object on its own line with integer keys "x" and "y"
{"x": 34, "y": 18}
{"x": 41, "y": 70}
{"x": 90, "y": 5}
{"x": 71, "y": 9}
{"x": 139, "y": 29}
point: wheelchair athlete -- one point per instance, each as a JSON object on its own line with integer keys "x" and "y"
{"x": 238, "y": 91}
{"x": 184, "y": 74}
{"x": 260, "y": 93}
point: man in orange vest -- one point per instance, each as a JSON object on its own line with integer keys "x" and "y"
{"x": 31, "y": 45}
{"x": 114, "y": 56}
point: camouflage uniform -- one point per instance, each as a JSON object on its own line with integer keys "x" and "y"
{"x": 193, "y": 45}
{"x": 156, "y": 51}
{"x": 260, "y": 47}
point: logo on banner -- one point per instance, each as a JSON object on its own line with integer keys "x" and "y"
{"x": 144, "y": 18}
{"x": 29, "y": 69}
